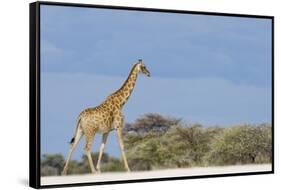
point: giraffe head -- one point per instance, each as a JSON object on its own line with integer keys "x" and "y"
{"x": 142, "y": 68}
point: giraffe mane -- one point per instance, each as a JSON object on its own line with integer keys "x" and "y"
{"x": 124, "y": 83}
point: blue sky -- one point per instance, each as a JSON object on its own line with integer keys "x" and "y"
{"x": 212, "y": 70}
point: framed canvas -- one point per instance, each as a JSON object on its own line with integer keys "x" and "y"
{"x": 126, "y": 94}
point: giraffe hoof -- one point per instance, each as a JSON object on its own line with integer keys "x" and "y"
{"x": 98, "y": 170}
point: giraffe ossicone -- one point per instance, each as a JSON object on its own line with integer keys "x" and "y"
{"x": 104, "y": 118}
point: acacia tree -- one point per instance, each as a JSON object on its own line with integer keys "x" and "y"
{"x": 151, "y": 123}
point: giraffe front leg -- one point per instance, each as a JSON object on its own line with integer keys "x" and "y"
{"x": 120, "y": 140}
{"x": 104, "y": 138}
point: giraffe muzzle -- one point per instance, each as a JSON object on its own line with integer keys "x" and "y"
{"x": 146, "y": 72}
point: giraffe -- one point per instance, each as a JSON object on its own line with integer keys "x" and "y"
{"x": 104, "y": 118}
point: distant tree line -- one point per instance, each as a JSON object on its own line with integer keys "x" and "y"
{"x": 154, "y": 142}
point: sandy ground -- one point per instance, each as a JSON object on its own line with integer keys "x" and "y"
{"x": 119, "y": 176}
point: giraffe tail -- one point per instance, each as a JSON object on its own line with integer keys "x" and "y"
{"x": 73, "y": 138}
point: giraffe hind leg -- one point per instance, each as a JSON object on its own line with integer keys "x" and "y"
{"x": 73, "y": 143}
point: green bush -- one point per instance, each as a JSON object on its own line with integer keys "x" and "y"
{"x": 52, "y": 164}
{"x": 243, "y": 144}
{"x": 178, "y": 147}
{"x": 113, "y": 165}
{"x": 49, "y": 171}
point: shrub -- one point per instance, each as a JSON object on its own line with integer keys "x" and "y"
{"x": 49, "y": 171}
{"x": 52, "y": 164}
{"x": 241, "y": 145}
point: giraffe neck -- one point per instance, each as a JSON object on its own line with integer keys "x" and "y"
{"x": 124, "y": 92}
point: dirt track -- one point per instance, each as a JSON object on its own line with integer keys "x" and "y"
{"x": 116, "y": 176}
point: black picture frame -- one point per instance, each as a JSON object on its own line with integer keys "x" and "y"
{"x": 34, "y": 91}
